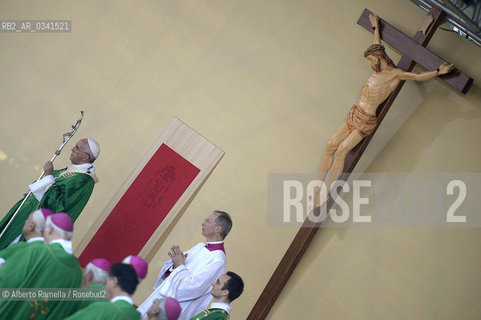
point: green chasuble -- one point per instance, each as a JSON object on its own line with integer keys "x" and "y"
{"x": 212, "y": 314}
{"x": 8, "y": 252}
{"x": 118, "y": 310}
{"x": 39, "y": 266}
{"x": 68, "y": 194}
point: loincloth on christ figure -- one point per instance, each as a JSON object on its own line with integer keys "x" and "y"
{"x": 360, "y": 120}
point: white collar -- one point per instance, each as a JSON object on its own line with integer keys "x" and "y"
{"x": 87, "y": 168}
{"x": 215, "y": 242}
{"x": 84, "y": 166}
{"x": 66, "y": 245}
{"x": 35, "y": 239}
{"x": 221, "y": 305}
{"x": 124, "y": 298}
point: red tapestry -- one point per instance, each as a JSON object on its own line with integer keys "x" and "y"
{"x": 142, "y": 208}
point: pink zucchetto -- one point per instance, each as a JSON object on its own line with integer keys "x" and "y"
{"x": 101, "y": 263}
{"x": 62, "y": 221}
{"x": 46, "y": 212}
{"x": 139, "y": 264}
{"x": 172, "y": 308}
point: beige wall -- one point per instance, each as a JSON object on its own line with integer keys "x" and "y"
{"x": 268, "y": 82}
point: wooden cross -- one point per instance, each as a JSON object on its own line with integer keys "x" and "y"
{"x": 413, "y": 51}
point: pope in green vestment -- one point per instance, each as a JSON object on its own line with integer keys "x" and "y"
{"x": 39, "y": 266}
{"x": 70, "y": 193}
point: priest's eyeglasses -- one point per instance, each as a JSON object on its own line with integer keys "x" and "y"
{"x": 77, "y": 149}
{"x": 208, "y": 221}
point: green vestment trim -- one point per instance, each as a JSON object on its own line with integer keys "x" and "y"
{"x": 212, "y": 314}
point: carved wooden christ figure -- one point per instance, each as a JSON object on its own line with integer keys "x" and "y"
{"x": 362, "y": 119}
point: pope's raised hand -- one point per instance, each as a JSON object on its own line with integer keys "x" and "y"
{"x": 48, "y": 168}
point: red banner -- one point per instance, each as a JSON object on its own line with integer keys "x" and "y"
{"x": 142, "y": 208}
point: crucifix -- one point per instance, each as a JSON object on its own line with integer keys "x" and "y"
{"x": 413, "y": 51}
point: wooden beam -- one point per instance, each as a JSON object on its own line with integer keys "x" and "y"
{"x": 308, "y": 230}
